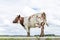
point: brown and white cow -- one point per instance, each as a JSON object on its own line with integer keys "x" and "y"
{"x": 35, "y": 20}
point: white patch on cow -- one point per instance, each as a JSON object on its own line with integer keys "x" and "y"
{"x": 26, "y": 23}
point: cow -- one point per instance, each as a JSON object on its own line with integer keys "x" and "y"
{"x": 35, "y": 20}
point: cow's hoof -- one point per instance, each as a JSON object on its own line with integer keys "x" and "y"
{"x": 28, "y": 36}
{"x": 41, "y": 35}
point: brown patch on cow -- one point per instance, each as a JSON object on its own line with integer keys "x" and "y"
{"x": 16, "y": 19}
{"x": 30, "y": 17}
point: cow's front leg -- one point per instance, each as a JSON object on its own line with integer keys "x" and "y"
{"x": 28, "y": 33}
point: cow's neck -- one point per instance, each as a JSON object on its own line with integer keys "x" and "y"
{"x": 22, "y": 21}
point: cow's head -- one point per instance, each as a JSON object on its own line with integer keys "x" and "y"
{"x": 19, "y": 19}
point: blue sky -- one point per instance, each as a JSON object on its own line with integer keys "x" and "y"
{"x": 10, "y": 8}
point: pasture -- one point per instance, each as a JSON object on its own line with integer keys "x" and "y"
{"x": 29, "y": 38}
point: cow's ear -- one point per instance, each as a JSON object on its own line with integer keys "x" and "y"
{"x": 19, "y": 16}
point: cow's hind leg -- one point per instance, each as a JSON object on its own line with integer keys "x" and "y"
{"x": 42, "y": 29}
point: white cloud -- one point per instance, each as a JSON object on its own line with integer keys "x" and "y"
{"x": 27, "y": 11}
{"x": 9, "y": 10}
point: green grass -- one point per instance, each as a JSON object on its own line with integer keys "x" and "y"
{"x": 48, "y": 39}
{"x": 28, "y": 38}
{"x": 14, "y": 39}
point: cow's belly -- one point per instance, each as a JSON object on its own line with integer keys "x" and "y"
{"x": 32, "y": 22}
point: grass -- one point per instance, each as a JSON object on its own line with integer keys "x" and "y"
{"x": 36, "y": 37}
{"x": 17, "y": 38}
{"x": 48, "y": 39}
{"x": 29, "y": 38}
